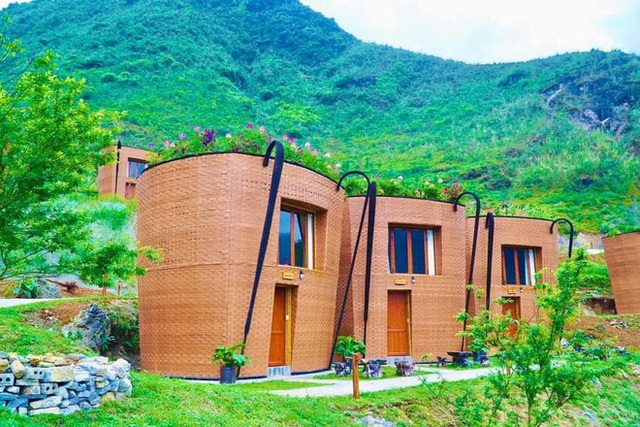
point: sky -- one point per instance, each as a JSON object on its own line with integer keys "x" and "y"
{"x": 487, "y": 31}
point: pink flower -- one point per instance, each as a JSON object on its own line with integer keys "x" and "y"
{"x": 196, "y": 128}
{"x": 166, "y": 143}
{"x": 327, "y": 155}
{"x": 315, "y": 152}
{"x": 307, "y": 144}
{"x": 182, "y": 137}
{"x": 263, "y": 129}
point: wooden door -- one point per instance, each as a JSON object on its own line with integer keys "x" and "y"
{"x": 512, "y": 306}
{"x": 398, "y": 324}
{"x": 278, "y": 347}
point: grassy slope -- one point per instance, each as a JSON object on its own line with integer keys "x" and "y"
{"x": 223, "y": 63}
{"x": 166, "y": 402}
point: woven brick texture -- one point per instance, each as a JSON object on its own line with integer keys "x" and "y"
{"x": 517, "y": 232}
{"x": 206, "y": 213}
{"x": 622, "y": 253}
{"x": 434, "y": 300}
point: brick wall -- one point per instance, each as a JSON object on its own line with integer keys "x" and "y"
{"x": 207, "y": 214}
{"x": 622, "y": 253}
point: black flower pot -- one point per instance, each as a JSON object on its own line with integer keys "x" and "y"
{"x": 227, "y": 374}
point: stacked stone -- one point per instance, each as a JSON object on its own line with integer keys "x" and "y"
{"x": 50, "y": 384}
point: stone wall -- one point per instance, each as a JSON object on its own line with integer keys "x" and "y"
{"x": 49, "y": 384}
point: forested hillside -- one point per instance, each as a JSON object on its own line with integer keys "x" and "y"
{"x": 554, "y": 137}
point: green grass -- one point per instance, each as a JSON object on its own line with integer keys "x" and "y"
{"x": 160, "y": 402}
{"x": 17, "y": 335}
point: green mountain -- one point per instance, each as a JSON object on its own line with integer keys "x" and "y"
{"x": 554, "y": 137}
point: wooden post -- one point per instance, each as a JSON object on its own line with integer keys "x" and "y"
{"x": 355, "y": 362}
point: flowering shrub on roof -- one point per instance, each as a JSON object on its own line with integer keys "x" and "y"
{"x": 255, "y": 140}
{"x": 250, "y": 140}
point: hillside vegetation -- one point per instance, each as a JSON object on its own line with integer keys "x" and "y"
{"x": 551, "y": 137}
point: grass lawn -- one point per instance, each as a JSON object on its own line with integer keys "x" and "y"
{"x": 158, "y": 401}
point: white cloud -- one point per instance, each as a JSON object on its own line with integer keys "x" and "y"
{"x": 5, "y": 3}
{"x": 491, "y": 30}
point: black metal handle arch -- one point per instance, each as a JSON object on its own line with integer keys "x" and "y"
{"x": 366, "y": 205}
{"x": 266, "y": 228}
{"x": 570, "y": 232}
{"x": 473, "y": 257}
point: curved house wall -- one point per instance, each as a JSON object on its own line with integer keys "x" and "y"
{"x": 513, "y": 232}
{"x": 206, "y": 213}
{"x": 434, "y": 300}
{"x": 622, "y": 253}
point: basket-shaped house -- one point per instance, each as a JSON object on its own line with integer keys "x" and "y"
{"x": 623, "y": 258}
{"x": 207, "y": 214}
{"x": 520, "y": 248}
{"x": 417, "y": 278}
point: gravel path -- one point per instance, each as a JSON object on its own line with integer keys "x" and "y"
{"x": 10, "y": 302}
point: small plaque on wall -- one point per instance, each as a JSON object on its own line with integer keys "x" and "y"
{"x": 401, "y": 282}
{"x": 511, "y": 291}
{"x": 287, "y": 276}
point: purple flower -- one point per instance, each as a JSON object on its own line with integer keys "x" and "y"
{"x": 300, "y": 150}
{"x": 151, "y": 146}
{"x": 182, "y": 137}
{"x": 207, "y": 137}
{"x": 249, "y": 125}
{"x": 235, "y": 149}
{"x": 184, "y": 150}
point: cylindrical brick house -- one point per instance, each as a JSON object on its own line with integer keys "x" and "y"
{"x": 417, "y": 277}
{"x": 521, "y": 247}
{"x": 622, "y": 253}
{"x": 206, "y": 214}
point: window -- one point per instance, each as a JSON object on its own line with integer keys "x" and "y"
{"x": 135, "y": 168}
{"x": 518, "y": 266}
{"x": 296, "y": 238}
{"x": 412, "y": 251}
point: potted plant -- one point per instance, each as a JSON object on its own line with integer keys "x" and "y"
{"x": 347, "y": 347}
{"x": 229, "y": 360}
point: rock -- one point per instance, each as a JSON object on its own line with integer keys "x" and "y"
{"x": 92, "y": 325}
{"x": 63, "y": 393}
{"x": 48, "y": 290}
{"x": 122, "y": 368}
{"x": 18, "y": 368}
{"x": 125, "y": 387}
{"x": 4, "y": 355}
{"x": 8, "y": 396}
{"x": 33, "y": 373}
{"x": 30, "y": 390}
{"x": 7, "y": 380}
{"x": 59, "y": 374}
{"x": 84, "y": 405}
{"x": 80, "y": 375}
{"x": 45, "y": 403}
{"x": 49, "y": 388}
{"x": 22, "y": 411}
{"x": 371, "y": 421}
{"x": 51, "y": 410}
{"x": 4, "y": 364}
{"x": 23, "y": 382}
{"x": 108, "y": 396}
{"x": 14, "y": 390}
{"x": 71, "y": 409}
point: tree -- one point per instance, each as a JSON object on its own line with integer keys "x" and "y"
{"x": 543, "y": 366}
{"x": 50, "y": 147}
